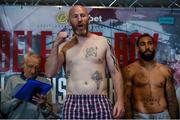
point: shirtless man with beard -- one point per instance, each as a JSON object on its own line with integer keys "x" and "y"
{"x": 149, "y": 90}
{"x": 85, "y": 58}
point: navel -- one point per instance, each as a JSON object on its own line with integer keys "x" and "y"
{"x": 86, "y": 83}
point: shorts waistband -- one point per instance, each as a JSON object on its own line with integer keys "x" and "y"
{"x": 152, "y": 113}
{"x": 87, "y": 96}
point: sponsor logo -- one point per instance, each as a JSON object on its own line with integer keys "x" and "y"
{"x": 61, "y": 17}
{"x": 95, "y": 18}
{"x": 168, "y": 20}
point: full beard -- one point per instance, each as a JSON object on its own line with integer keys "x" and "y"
{"x": 81, "y": 32}
{"x": 147, "y": 57}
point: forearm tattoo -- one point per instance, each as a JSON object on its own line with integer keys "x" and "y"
{"x": 113, "y": 56}
{"x": 97, "y": 76}
{"x": 171, "y": 98}
{"x": 128, "y": 93}
{"x": 91, "y": 52}
{"x": 128, "y": 105}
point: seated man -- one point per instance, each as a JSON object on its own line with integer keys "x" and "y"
{"x": 17, "y": 109}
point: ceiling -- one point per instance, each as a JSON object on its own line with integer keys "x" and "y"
{"x": 99, "y": 3}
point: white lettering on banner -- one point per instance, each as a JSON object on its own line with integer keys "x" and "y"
{"x": 58, "y": 90}
{"x": 53, "y": 90}
{"x": 2, "y": 83}
{"x": 95, "y": 18}
{"x": 2, "y": 86}
{"x": 62, "y": 90}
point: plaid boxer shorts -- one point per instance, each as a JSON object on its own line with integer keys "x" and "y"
{"x": 87, "y": 107}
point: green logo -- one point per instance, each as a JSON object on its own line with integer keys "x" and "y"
{"x": 61, "y": 18}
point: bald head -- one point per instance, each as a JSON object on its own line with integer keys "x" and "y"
{"x": 77, "y": 8}
{"x": 79, "y": 20}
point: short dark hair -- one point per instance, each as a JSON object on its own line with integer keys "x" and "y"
{"x": 143, "y": 35}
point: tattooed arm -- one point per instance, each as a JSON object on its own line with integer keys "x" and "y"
{"x": 171, "y": 97}
{"x": 128, "y": 93}
{"x": 116, "y": 75}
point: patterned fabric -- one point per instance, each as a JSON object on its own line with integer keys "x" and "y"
{"x": 87, "y": 107}
{"x": 161, "y": 115}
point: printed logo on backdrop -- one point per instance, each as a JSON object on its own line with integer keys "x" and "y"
{"x": 62, "y": 17}
{"x": 95, "y": 18}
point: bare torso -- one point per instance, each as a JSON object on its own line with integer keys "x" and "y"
{"x": 85, "y": 63}
{"x": 148, "y": 89}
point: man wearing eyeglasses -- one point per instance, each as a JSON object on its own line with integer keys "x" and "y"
{"x": 14, "y": 108}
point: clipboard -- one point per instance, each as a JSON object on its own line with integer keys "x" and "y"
{"x": 31, "y": 88}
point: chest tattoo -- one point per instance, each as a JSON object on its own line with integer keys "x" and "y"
{"x": 91, "y": 52}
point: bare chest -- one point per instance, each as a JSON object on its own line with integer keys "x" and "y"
{"x": 152, "y": 78}
{"x": 88, "y": 53}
